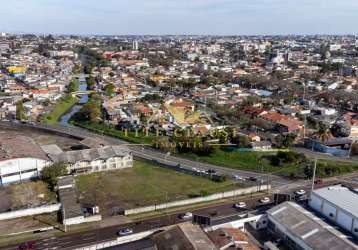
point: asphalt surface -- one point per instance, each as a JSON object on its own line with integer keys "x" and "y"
{"x": 151, "y": 154}
{"x": 98, "y": 235}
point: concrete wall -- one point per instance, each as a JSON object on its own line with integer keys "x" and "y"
{"x": 82, "y": 219}
{"x": 118, "y": 241}
{"x": 196, "y": 200}
{"x": 30, "y": 211}
{"x": 15, "y": 170}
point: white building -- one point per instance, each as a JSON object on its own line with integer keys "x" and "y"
{"x": 20, "y": 158}
{"x": 301, "y": 229}
{"x": 338, "y": 204}
{"x": 95, "y": 159}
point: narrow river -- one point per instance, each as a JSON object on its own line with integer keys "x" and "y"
{"x": 84, "y": 98}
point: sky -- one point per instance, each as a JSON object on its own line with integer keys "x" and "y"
{"x": 179, "y": 17}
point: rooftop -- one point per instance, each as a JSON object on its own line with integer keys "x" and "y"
{"x": 303, "y": 225}
{"x": 90, "y": 154}
{"x": 19, "y": 146}
{"x": 342, "y": 197}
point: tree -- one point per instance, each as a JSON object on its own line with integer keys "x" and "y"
{"x": 90, "y": 82}
{"x": 323, "y": 133}
{"x": 109, "y": 89}
{"x": 285, "y": 141}
{"x": 51, "y": 174}
{"x": 340, "y": 129}
{"x": 91, "y": 111}
{"x": 20, "y": 113}
{"x": 73, "y": 86}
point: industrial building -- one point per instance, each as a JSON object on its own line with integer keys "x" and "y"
{"x": 301, "y": 229}
{"x": 339, "y": 204}
{"x": 21, "y": 158}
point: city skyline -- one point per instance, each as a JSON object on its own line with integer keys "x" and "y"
{"x": 200, "y": 17}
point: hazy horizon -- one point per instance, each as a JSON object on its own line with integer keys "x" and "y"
{"x": 184, "y": 17}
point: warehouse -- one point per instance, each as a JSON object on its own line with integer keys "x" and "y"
{"x": 338, "y": 204}
{"x": 21, "y": 158}
{"x": 301, "y": 229}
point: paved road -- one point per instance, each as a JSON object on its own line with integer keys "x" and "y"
{"x": 92, "y": 236}
{"x": 151, "y": 154}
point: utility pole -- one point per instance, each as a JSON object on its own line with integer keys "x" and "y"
{"x": 314, "y": 175}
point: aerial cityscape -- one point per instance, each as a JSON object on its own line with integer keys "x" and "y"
{"x": 179, "y": 125}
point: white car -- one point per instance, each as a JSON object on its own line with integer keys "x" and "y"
{"x": 300, "y": 192}
{"x": 187, "y": 216}
{"x": 265, "y": 200}
{"x": 238, "y": 177}
{"x": 240, "y": 205}
{"x": 125, "y": 231}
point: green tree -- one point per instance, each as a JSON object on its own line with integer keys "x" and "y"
{"x": 73, "y": 86}
{"x": 109, "y": 89}
{"x": 323, "y": 133}
{"x": 51, "y": 174}
{"x": 90, "y": 82}
{"x": 20, "y": 112}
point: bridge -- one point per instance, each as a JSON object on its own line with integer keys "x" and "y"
{"x": 82, "y": 92}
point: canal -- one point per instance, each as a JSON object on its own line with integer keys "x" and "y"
{"x": 84, "y": 98}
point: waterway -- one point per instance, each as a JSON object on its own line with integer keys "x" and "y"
{"x": 84, "y": 98}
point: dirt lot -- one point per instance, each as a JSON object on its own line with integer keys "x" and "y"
{"x": 24, "y": 195}
{"x": 42, "y": 138}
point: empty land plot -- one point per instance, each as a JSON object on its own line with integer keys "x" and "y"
{"x": 142, "y": 185}
{"x": 30, "y": 194}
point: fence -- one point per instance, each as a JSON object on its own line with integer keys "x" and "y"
{"x": 30, "y": 211}
{"x": 212, "y": 197}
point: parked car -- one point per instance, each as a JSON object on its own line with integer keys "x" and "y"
{"x": 265, "y": 200}
{"x": 238, "y": 177}
{"x": 125, "y": 231}
{"x": 240, "y": 204}
{"x": 300, "y": 192}
{"x": 211, "y": 171}
{"x": 28, "y": 245}
{"x": 252, "y": 178}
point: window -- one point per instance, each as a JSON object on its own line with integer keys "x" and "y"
{"x": 355, "y": 230}
{"x": 331, "y": 214}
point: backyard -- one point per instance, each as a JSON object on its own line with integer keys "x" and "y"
{"x": 142, "y": 185}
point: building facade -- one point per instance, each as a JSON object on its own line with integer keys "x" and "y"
{"x": 20, "y": 159}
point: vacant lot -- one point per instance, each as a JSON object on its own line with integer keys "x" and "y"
{"x": 24, "y": 195}
{"x": 142, "y": 185}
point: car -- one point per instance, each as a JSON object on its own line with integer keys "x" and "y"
{"x": 300, "y": 192}
{"x": 238, "y": 177}
{"x": 211, "y": 171}
{"x": 186, "y": 216}
{"x": 265, "y": 200}
{"x": 302, "y": 198}
{"x": 240, "y": 204}
{"x": 28, "y": 245}
{"x": 253, "y": 178}
{"x": 125, "y": 231}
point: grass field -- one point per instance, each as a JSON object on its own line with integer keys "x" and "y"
{"x": 258, "y": 162}
{"x": 99, "y": 128}
{"x": 179, "y": 115}
{"x": 59, "y": 109}
{"x": 142, "y": 185}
